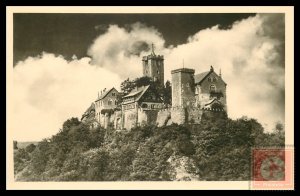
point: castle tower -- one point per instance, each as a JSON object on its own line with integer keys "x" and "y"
{"x": 183, "y": 92}
{"x": 153, "y": 67}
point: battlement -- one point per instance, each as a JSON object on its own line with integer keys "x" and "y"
{"x": 183, "y": 70}
{"x": 156, "y": 57}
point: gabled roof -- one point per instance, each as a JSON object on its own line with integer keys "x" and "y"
{"x": 208, "y": 106}
{"x": 105, "y": 94}
{"x": 137, "y": 93}
{"x": 199, "y": 78}
{"x": 212, "y": 101}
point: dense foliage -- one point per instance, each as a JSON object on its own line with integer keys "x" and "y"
{"x": 217, "y": 149}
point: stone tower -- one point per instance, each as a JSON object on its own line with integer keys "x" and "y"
{"x": 183, "y": 87}
{"x": 183, "y": 94}
{"x": 153, "y": 67}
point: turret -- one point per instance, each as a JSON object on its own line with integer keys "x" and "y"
{"x": 153, "y": 66}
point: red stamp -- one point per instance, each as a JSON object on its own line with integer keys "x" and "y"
{"x": 272, "y": 168}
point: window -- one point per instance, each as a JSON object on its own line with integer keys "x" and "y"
{"x": 215, "y": 79}
{"x": 209, "y": 79}
{"x": 213, "y": 88}
{"x": 115, "y": 102}
{"x": 113, "y": 94}
{"x": 144, "y": 105}
{"x": 109, "y": 102}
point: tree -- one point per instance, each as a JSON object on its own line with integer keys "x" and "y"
{"x": 127, "y": 86}
{"x": 15, "y": 145}
{"x": 30, "y": 148}
{"x": 142, "y": 81}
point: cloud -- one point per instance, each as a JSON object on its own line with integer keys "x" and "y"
{"x": 120, "y": 49}
{"x": 49, "y": 89}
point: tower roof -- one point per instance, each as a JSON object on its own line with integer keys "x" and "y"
{"x": 184, "y": 70}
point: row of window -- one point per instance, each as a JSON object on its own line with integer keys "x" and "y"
{"x": 109, "y": 102}
{"x": 214, "y": 79}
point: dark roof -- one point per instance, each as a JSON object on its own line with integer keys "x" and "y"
{"x": 137, "y": 93}
{"x": 105, "y": 94}
{"x": 200, "y": 77}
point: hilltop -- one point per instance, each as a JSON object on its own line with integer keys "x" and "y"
{"x": 216, "y": 149}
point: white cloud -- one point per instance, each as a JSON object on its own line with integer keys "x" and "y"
{"x": 48, "y": 89}
{"x": 118, "y": 49}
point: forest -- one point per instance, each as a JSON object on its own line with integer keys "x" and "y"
{"x": 216, "y": 149}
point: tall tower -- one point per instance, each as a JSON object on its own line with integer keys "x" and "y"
{"x": 153, "y": 67}
{"x": 183, "y": 92}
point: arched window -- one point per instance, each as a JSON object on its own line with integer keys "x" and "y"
{"x": 109, "y": 102}
{"x": 212, "y": 88}
{"x": 144, "y": 105}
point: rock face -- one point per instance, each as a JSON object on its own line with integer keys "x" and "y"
{"x": 181, "y": 166}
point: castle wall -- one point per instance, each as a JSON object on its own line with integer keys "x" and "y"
{"x": 118, "y": 120}
{"x": 194, "y": 115}
{"x": 147, "y": 117}
{"x": 178, "y": 115}
{"x": 202, "y": 99}
{"x": 130, "y": 115}
{"x": 163, "y": 116}
{"x": 142, "y": 117}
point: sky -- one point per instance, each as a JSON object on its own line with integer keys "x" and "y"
{"x": 61, "y": 61}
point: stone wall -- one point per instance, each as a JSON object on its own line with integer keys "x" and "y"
{"x": 130, "y": 117}
{"x": 178, "y": 115}
{"x": 194, "y": 115}
{"x": 163, "y": 117}
{"x": 118, "y": 120}
{"x": 147, "y": 117}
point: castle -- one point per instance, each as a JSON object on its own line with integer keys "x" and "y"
{"x": 192, "y": 96}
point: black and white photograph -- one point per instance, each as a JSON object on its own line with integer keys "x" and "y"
{"x": 151, "y": 95}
